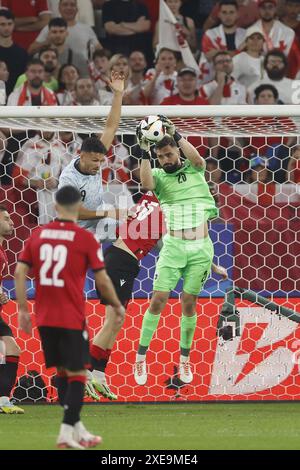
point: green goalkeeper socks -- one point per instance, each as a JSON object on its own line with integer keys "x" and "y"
{"x": 149, "y": 326}
{"x": 187, "y": 331}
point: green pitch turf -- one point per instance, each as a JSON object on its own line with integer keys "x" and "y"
{"x": 163, "y": 427}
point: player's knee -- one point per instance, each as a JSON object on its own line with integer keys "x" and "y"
{"x": 158, "y": 302}
{"x": 189, "y": 305}
{"x": 11, "y": 347}
{"x": 118, "y": 323}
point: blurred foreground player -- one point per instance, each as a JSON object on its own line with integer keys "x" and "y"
{"x": 10, "y": 350}
{"x": 60, "y": 254}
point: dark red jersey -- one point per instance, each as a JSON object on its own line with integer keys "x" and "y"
{"x": 3, "y": 267}
{"x": 143, "y": 232}
{"x": 60, "y": 254}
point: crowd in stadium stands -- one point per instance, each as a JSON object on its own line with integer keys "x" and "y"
{"x": 61, "y": 52}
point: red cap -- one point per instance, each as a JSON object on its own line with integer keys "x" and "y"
{"x": 261, "y": 2}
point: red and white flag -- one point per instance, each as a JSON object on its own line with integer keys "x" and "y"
{"x": 172, "y": 36}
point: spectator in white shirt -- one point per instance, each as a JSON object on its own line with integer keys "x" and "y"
{"x": 248, "y": 65}
{"x": 224, "y": 89}
{"x": 160, "y": 82}
{"x": 276, "y": 66}
{"x": 81, "y": 38}
{"x": 38, "y": 166}
{"x": 85, "y": 11}
{"x": 225, "y": 37}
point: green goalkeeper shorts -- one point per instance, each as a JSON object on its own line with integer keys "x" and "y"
{"x": 187, "y": 259}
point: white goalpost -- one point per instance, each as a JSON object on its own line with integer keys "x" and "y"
{"x": 199, "y": 120}
{"x": 253, "y": 168}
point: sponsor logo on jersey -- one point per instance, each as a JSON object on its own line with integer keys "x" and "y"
{"x": 122, "y": 282}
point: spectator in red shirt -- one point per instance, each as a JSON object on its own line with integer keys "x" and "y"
{"x": 187, "y": 90}
{"x": 30, "y": 18}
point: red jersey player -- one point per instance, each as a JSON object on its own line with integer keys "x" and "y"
{"x": 9, "y": 350}
{"x": 136, "y": 238}
{"x": 59, "y": 254}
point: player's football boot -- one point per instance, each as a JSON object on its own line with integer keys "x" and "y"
{"x": 140, "y": 372}
{"x": 185, "y": 372}
{"x": 64, "y": 442}
{"x": 66, "y": 439}
{"x": 9, "y": 408}
{"x": 104, "y": 390}
{"x": 84, "y": 437}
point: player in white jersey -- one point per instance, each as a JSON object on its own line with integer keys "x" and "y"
{"x": 84, "y": 173}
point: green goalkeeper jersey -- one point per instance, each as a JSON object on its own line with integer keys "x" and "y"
{"x": 184, "y": 196}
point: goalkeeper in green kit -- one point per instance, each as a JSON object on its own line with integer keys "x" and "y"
{"x": 187, "y": 252}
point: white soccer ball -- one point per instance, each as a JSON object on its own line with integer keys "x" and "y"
{"x": 152, "y": 129}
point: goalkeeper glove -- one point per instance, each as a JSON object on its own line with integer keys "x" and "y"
{"x": 143, "y": 143}
{"x": 170, "y": 128}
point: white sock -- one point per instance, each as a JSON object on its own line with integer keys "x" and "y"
{"x": 184, "y": 358}
{"x": 66, "y": 430}
{"x": 140, "y": 357}
{"x": 4, "y": 401}
{"x": 99, "y": 376}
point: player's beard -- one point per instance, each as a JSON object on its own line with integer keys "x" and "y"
{"x": 168, "y": 168}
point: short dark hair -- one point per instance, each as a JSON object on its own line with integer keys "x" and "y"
{"x": 276, "y": 53}
{"x": 166, "y": 49}
{"x": 101, "y": 53}
{"x": 3, "y": 208}
{"x": 59, "y": 22}
{"x": 166, "y": 140}
{"x": 67, "y": 196}
{"x": 266, "y": 86}
{"x": 34, "y": 62}
{"x": 228, "y": 2}
{"x": 8, "y": 14}
{"x": 47, "y": 48}
{"x": 93, "y": 145}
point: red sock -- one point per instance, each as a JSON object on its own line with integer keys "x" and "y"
{"x": 100, "y": 357}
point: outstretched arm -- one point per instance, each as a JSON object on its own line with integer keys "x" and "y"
{"x": 189, "y": 151}
{"x": 117, "y": 85}
{"x": 147, "y": 180}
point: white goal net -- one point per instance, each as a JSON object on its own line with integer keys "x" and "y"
{"x": 253, "y": 169}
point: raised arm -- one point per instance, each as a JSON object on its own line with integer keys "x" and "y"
{"x": 189, "y": 151}
{"x": 24, "y": 319}
{"x": 117, "y": 85}
{"x": 147, "y": 180}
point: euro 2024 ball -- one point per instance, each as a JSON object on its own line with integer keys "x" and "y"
{"x": 152, "y": 129}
